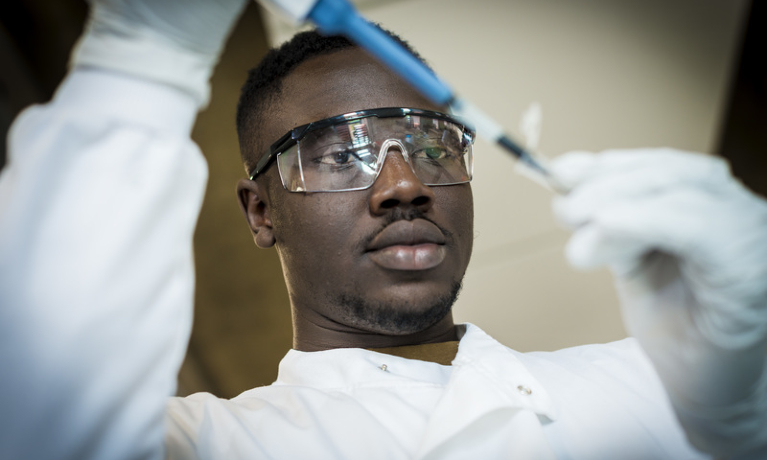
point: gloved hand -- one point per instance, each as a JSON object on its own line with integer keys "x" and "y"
{"x": 171, "y": 41}
{"x": 688, "y": 248}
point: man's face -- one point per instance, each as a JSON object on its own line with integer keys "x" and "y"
{"x": 387, "y": 260}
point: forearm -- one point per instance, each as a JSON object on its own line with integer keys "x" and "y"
{"x": 97, "y": 209}
{"x": 735, "y": 431}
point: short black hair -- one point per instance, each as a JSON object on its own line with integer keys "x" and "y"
{"x": 264, "y": 82}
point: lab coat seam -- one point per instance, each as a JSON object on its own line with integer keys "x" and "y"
{"x": 363, "y": 385}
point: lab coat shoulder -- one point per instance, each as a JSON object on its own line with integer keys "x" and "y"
{"x": 276, "y": 421}
{"x": 621, "y": 364}
{"x": 610, "y": 388}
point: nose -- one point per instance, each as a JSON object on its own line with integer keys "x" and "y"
{"x": 398, "y": 186}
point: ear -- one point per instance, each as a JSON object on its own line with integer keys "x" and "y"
{"x": 256, "y": 212}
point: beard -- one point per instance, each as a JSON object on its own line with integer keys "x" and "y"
{"x": 399, "y": 319}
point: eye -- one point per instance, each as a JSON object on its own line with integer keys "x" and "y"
{"x": 432, "y": 153}
{"x": 337, "y": 158}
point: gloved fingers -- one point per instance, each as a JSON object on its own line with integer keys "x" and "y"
{"x": 578, "y": 166}
{"x": 592, "y": 247}
{"x": 572, "y": 168}
{"x": 620, "y": 234}
{"x": 621, "y": 176}
{"x": 718, "y": 242}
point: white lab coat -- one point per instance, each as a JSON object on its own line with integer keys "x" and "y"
{"x": 98, "y": 204}
{"x": 97, "y": 209}
{"x": 585, "y": 403}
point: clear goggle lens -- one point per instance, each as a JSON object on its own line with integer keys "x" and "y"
{"x": 349, "y": 155}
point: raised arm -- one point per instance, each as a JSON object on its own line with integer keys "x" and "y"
{"x": 688, "y": 247}
{"x": 98, "y": 204}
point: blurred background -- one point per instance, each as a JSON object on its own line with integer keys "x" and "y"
{"x": 688, "y": 74}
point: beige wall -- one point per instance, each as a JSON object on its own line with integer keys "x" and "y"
{"x": 608, "y": 74}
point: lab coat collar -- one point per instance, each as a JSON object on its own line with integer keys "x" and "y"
{"x": 480, "y": 358}
{"x": 481, "y": 355}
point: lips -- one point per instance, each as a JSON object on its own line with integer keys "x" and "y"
{"x": 408, "y": 245}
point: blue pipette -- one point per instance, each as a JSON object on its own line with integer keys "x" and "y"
{"x": 338, "y": 17}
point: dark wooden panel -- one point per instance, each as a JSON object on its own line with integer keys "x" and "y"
{"x": 744, "y": 131}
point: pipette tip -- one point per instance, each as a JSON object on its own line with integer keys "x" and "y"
{"x": 534, "y": 167}
{"x": 522, "y": 155}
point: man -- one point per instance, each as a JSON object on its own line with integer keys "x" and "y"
{"x": 380, "y": 267}
{"x": 372, "y": 262}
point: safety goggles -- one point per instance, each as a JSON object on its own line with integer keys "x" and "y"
{"x": 347, "y": 152}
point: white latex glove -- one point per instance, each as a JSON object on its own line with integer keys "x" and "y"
{"x": 688, "y": 248}
{"x": 170, "y": 41}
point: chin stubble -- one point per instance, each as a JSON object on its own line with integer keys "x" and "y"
{"x": 396, "y": 319}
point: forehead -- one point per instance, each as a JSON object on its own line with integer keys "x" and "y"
{"x": 341, "y": 82}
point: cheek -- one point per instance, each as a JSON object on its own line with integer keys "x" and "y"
{"x": 314, "y": 229}
{"x": 457, "y": 204}
{"x": 467, "y": 206}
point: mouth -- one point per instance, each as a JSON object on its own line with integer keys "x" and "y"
{"x": 408, "y": 245}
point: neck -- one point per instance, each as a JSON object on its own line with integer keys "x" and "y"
{"x": 441, "y": 353}
{"x": 321, "y": 333}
